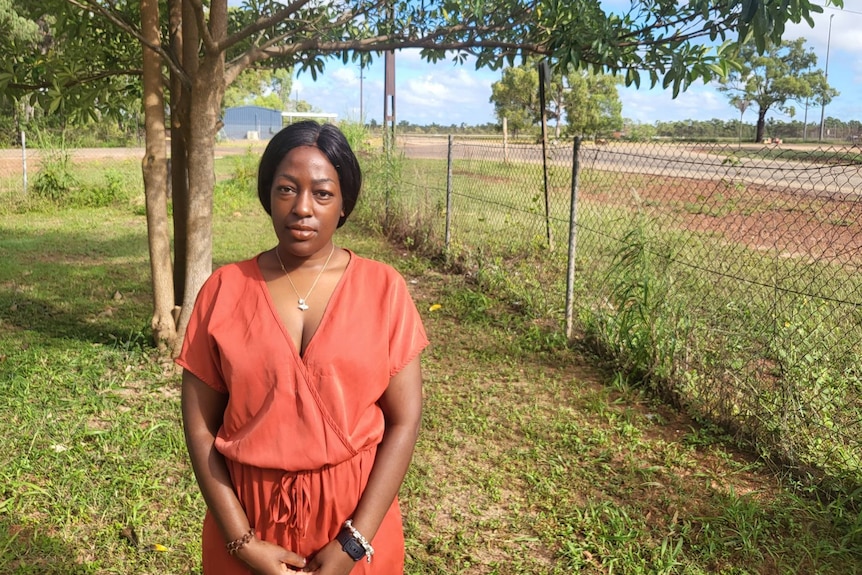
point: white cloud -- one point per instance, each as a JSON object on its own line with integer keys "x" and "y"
{"x": 346, "y": 76}
{"x": 697, "y": 103}
{"x": 446, "y": 95}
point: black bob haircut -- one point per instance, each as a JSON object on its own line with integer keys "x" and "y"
{"x": 326, "y": 138}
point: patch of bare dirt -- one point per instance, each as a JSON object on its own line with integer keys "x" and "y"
{"x": 791, "y": 224}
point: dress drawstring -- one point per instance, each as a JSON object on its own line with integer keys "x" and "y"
{"x": 291, "y": 502}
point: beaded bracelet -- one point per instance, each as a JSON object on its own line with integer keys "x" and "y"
{"x": 234, "y": 546}
{"x": 369, "y": 550}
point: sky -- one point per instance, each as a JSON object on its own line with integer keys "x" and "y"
{"x": 446, "y": 93}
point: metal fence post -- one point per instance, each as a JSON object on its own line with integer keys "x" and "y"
{"x": 448, "y": 236}
{"x": 505, "y": 140}
{"x": 544, "y": 80}
{"x": 24, "y": 158}
{"x": 573, "y": 239}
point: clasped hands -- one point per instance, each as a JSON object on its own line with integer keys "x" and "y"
{"x": 265, "y": 558}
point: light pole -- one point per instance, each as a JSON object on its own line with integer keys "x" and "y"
{"x": 826, "y": 74}
{"x": 805, "y": 122}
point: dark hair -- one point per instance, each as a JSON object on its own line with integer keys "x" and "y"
{"x": 326, "y": 138}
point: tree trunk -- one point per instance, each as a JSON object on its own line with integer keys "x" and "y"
{"x": 154, "y": 167}
{"x": 186, "y": 43}
{"x": 761, "y": 125}
{"x": 205, "y": 104}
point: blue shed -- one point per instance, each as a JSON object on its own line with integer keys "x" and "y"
{"x": 251, "y": 123}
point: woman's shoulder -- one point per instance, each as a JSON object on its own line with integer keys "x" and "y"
{"x": 244, "y": 268}
{"x": 232, "y": 277}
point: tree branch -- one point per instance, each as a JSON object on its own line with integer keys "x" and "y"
{"x": 110, "y": 15}
{"x": 77, "y": 81}
{"x": 262, "y": 24}
{"x": 201, "y": 21}
{"x": 387, "y": 43}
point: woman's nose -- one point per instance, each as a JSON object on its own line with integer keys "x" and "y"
{"x": 303, "y": 204}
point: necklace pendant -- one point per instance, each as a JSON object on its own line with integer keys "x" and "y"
{"x": 302, "y": 305}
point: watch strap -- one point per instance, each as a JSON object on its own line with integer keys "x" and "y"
{"x": 350, "y": 544}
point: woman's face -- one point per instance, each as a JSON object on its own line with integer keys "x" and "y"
{"x": 306, "y": 202}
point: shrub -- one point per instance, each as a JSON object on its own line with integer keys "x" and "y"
{"x": 55, "y": 180}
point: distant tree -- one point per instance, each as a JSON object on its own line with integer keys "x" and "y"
{"x": 592, "y": 104}
{"x": 515, "y": 97}
{"x": 638, "y": 132}
{"x": 781, "y": 74}
{"x": 262, "y": 87}
{"x": 588, "y": 101}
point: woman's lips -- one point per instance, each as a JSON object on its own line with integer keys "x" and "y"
{"x": 302, "y": 233}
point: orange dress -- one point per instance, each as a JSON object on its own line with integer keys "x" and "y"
{"x": 300, "y": 432}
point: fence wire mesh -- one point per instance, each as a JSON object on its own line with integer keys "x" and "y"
{"x": 21, "y": 169}
{"x": 727, "y": 274}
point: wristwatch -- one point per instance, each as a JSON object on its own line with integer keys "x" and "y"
{"x": 350, "y": 544}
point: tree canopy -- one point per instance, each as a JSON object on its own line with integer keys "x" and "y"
{"x": 95, "y": 52}
{"x": 592, "y": 104}
{"x": 588, "y": 101}
{"x": 516, "y": 98}
{"x": 775, "y": 78}
{"x": 266, "y": 88}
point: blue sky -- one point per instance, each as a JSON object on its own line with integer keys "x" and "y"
{"x": 447, "y": 94}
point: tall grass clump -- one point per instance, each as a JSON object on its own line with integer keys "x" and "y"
{"x": 357, "y": 136}
{"x": 640, "y": 324}
{"x": 55, "y": 181}
{"x": 777, "y": 368}
{"x": 395, "y": 203}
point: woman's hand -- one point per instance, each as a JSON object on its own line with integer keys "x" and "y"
{"x": 331, "y": 560}
{"x": 265, "y": 558}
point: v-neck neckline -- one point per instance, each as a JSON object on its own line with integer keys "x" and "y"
{"x": 301, "y": 356}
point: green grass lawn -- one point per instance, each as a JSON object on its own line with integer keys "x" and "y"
{"x": 531, "y": 458}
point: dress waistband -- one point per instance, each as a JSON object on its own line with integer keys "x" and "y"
{"x": 290, "y": 504}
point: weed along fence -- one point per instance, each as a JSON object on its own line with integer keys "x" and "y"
{"x": 727, "y": 277}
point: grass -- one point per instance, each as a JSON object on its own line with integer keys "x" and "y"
{"x": 546, "y": 465}
{"x": 531, "y": 458}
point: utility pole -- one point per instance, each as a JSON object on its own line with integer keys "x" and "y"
{"x": 389, "y": 101}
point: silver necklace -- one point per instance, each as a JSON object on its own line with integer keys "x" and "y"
{"x": 301, "y": 303}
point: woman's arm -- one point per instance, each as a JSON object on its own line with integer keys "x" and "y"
{"x": 401, "y": 404}
{"x": 203, "y": 411}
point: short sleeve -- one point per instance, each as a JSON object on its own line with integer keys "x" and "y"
{"x": 200, "y": 354}
{"x": 407, "y": 336}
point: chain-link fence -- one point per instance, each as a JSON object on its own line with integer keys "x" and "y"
{"x": 20, "y": 168}
{"x": 726, "y": 276}
{"x": 16, "y": 168}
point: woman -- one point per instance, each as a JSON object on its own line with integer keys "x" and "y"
{"x": 301, "y": 382}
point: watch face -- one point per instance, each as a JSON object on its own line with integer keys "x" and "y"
{"x": 351, "y": 546}
{"x": 354, "y": 549}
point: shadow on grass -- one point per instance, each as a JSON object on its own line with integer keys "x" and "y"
{"x": 24, "y": 551}
{"x": 73, "y": 285}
